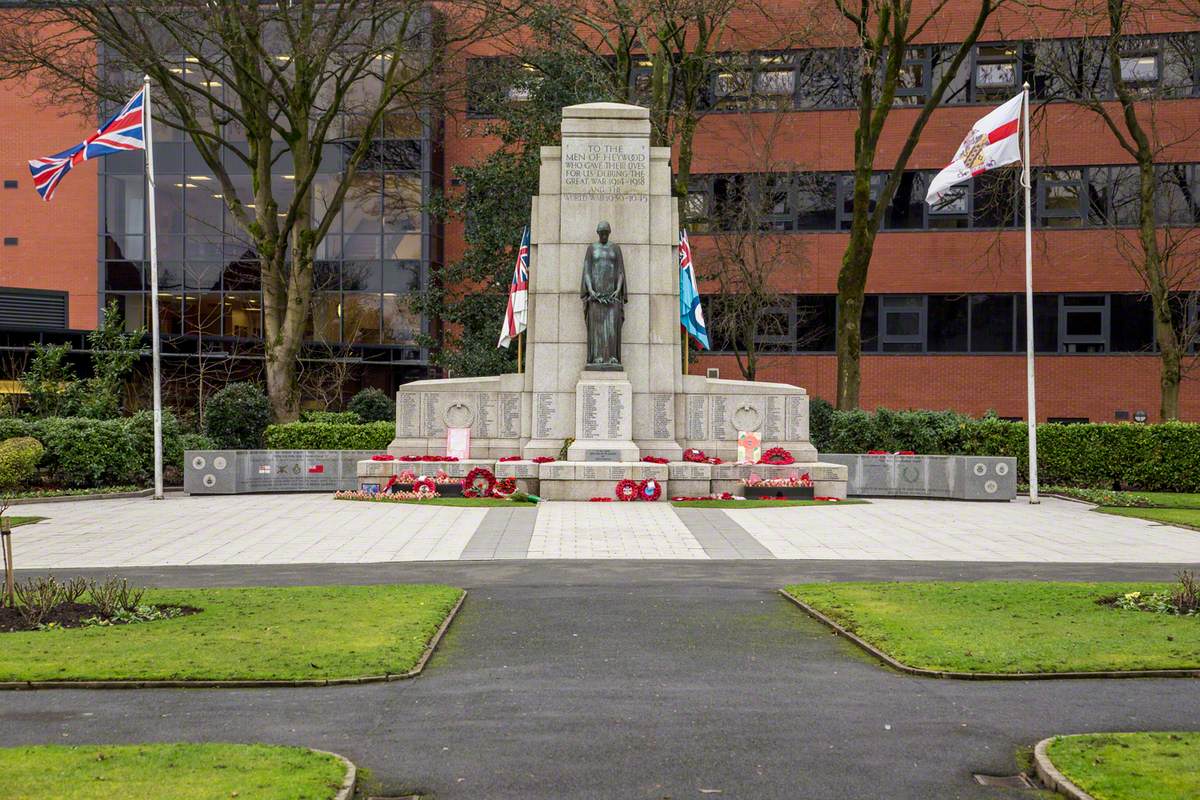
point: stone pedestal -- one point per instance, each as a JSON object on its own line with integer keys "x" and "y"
{"x": 603, "y": 419}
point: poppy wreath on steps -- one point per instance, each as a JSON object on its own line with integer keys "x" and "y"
{"x": 777, "y": 457}
{"x": 383, "y": 457}
{"x": 504, "y": 487}
{"x": 480, "y": 482}
{"x": 656, "y": 460}
{"x": 650, "y": 490}
{"x": 628, "y": 490}
{"x": 425, "y": 485}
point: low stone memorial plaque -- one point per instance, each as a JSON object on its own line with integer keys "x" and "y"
{"x": 876, "y": 475}
{"x": 797, "y": 418}
{"x": 602, "y": 454}
{"x": 606, "y": 168}
{"x": 911, "y": 474}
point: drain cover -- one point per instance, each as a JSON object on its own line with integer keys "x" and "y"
{"x": 1018, "y": 781}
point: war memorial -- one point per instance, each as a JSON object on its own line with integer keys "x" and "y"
{"x": 604, "y": 378}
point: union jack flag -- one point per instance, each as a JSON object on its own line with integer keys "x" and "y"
{"x": 516, "y": 317}
{"x": 125, "y": 131}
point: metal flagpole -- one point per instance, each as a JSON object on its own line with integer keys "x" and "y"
{"x": 154, "y": 348}
{"x": 1029, "y": 344}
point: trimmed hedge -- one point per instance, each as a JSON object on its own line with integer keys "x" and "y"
{"x": 331, "y": 417}
{"x": 323, "y": 436}
{"x": 83, "y": 453}
{"x": 18, "y": 461}
{"x": 373, "y": 405}
{"x": 236, "y": 417}
{"x": 1163, "y": 457}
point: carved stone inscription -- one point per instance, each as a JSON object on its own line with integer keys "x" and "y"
{"x": 602, "y": 410}
{"x": 545, "y": 409}
{"x": 589, "y": 412}
{"x": 697, "y": 417}
{"x": 408, "y": 416}
{"x": 721, "y": 429}
{"x": 434, "y": 426}
{"x": 773, "y": 425}
{"x": 510, "y": 415}
{"x": 485, "y": 417}
{"x": 662, "y": 407}
{"x": 797, "y": 418}
{"x": 617, "y": 413}
{"x": 617, "y": 169}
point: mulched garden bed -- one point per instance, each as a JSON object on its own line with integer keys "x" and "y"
{"x": 72, "y": 615}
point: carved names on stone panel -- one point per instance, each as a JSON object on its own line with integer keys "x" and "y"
{"x": 408, "y": 416}
{"x": 485, "y": 417}
{"x": 618, "y": 412}
{"x": 697, "y": 417}
{"x": 510, "y": 415}
{"x": 606, "y": 168}
{"x": 589, "y": 412}
{"x": 545, "y": 409}
{"x": 797, "y": 414}
{"x": 773, "y": 425}
{"x": 720, "y": 407}
{"x": 434, "y": 426}
{"x": 662, "y": 417}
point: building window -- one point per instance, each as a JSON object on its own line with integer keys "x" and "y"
{"x": 1060, "y": 198}
{"x": 816, "y": 323}
{"x": 1140, "y": 70}
{"x": 816, "y": 202}
{"x": 777, "y": 327}
{"x": 997, "y": 72}
{"x": 912, "y": 84}
{"x": 826, "y": 78}
{"x": 992, "y": 323}
{"x": 947, "y": 320}
{"x": 1083, "y": 323}
{"x": 869, "y": 329}
{"x": 903, "y": 323}
{"x": 1132, "y": 323}
{"x": 953, "y": 210}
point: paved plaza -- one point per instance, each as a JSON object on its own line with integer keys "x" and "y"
{"x": 309, "y": 529}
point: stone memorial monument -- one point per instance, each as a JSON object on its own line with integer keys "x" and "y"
{"x": 604, "y": 359}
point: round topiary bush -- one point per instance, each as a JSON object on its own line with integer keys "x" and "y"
{"x": 372, "y": 405}
{"x": 237, "y": 416}
{"x": 18, "y": 461}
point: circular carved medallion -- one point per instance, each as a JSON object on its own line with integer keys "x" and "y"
{"x": 747, "y": 418}
{"x": 459, "y": 415}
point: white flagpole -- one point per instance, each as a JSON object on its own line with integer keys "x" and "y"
{"x": 1029, "y": 344}
{"x": 154, "y": 348}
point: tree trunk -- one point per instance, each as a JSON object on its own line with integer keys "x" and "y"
{"x": 852, "y": 286}
{"x": 1165, "y": 333}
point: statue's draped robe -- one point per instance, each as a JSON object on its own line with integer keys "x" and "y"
{"x": 603, "y": 277}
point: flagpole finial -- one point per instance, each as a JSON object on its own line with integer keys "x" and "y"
{"x": 1026, "y": 85}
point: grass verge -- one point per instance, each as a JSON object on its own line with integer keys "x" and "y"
{"x": 17, "y": 522}
{"x": 1131, "y": 766}
{"x": 169, "y": 772}
{"x": 1008, "y": 627}
{"x": 731, "y": 504}
{"x": 291, "y": 633}
{"x": 1187, "y": 517}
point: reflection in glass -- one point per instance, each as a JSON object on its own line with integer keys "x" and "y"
{"x": 202, "y": 314}
{"x": 400, "y": 324}
{"x": 361, "y": 318}
{"x": 243, "y": 315}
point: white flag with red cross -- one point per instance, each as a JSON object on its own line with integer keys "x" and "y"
{"x": 992, "y": 142}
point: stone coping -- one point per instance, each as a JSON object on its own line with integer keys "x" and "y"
{"x": 1049, "y": 775}
{"x": 892, "y": 662}
{"x": 349, "y": 780}
{"x": 417, "y": 669}
{"x": 568, "y": 470}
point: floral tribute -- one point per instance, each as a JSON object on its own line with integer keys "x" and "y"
{"x": 793, "y": 480}
{"x": 544, "y": 460}
{"x": 696, "y": 456}
{"x": 383, "y": 457}
{"x": 777, "y": 457}
{"x": 381, "y": 497}
{"x": 425, "y": 485}
{"x": 600, "y": 500}
{"x": 649, "y": 490}
{"x": 627, "y": 490}
{"x": 688, "y": 499}
{"x": 511, "y": 458}
{"x": 505, "y": 487}
{"x": 426, "y": 459}
{"x": 480, "y": 482}
{"x": 656, "y": 460}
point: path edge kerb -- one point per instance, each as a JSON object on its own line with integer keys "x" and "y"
{"x": 349, "y": 781}
{"x": 417, "y": 669}
{"x": 840, "y": 630}
{"x": 1049, "y": 775}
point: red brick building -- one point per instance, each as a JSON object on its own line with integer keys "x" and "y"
{"x": 944, "y": 326}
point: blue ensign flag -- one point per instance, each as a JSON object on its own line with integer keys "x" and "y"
{"x": 691, "y": 315}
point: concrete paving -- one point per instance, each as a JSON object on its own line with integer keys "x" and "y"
{"x": 622, "y": 679}
{"x": 307, "y": 529}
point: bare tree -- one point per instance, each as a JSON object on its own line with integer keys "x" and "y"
{"x": 1109, "y": 73}
{"x": 883, "y": 32}
{"x": 261, "y": 88}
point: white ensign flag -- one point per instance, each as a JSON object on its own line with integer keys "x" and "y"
{"x": 992, "y": 142}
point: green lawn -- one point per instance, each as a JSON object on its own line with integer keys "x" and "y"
{"x": 1173, "y": 499}
{"x": 1131, "y": 766}
{"x": 169, "y": 772}
{"x": 17, "y": 522}
{"x": 731, "y": 504}
{"x": 1008, "y": 626}
{"x": 1189, "y": 517}
{"x": 292, "y": 633}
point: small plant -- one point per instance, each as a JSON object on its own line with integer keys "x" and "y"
{"x": 134, "y": 615}
{"x": 74, "y": 589}
{"x": 372, "y": 405}
{"x": 237, "y": 417}
{"x": 1186, "y": 596}
{"x": 114, "y": 595}
{"x": 37, "y": 597}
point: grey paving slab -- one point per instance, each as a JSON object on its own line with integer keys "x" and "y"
{"x": 720, "y": 536}
{"x": 504, "y": 533}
